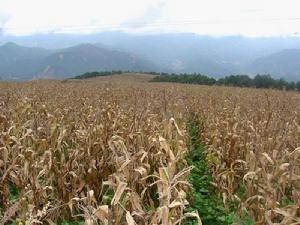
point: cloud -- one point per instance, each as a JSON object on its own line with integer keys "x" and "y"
{"x": 214, "y": 17}
{"x": 151, "y": 15}
{"x": 78, "y": 16}
{"x": 4, "y": 18}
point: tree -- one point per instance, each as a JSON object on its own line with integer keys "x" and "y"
{"x": 263, "y": 81}
{"x": 280, "y": 84}
{"x": 298, "y": 85}
{"x": 291, "y": 86}
{"x": 236, "y": 80}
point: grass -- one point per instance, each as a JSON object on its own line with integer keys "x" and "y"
{"x": 203, "y": 197}
{"x": 14, "y": 194}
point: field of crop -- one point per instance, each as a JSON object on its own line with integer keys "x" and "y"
{"x": 113, "y": 150}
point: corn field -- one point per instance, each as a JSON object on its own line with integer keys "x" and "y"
{"x": 112, "y": 151}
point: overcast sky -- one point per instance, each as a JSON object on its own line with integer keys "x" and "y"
{"x": 212, "y": 17}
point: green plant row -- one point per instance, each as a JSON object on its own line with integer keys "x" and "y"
{"x": 204, "y": 197}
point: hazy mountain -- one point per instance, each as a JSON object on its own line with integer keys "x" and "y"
{"x": 49, "y": 40}
{"x": 87, "y": 57}
{"x": 18, "y": 62}
{"x": 215, "y": 56}
{"x": 285, "y": 63}
{"x": 178, "y": 52}
{"x": 185, "y": 52}
{"x": 170, "y": 52}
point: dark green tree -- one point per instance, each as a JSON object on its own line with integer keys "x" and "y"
{"x": 263, "y": 81}
{"x": 236, "y": 81}
{"x": 298, "y": 85}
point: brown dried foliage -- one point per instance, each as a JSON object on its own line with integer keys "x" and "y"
{"x": 104, "y": 150}
{"x": 112, "y": 150}
{"x": 253, "y": 139}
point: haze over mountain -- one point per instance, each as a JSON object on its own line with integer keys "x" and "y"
{"x": 18, "y": 62}
{"x": 285, "y": 63}
{"x": 87, "y": 57}
{"x": 168, "y": 52}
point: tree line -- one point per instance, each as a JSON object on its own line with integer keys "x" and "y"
{"x": 98, "y": 74}
{"x": 259, "y": 81}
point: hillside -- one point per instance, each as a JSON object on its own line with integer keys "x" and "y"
{"x": 170, "y": 52}
{"x": 189, "y": 53}
{"x": 18, "y": 62}
{"x": 285, "y": 63}
{"x": 180, "y": 53}
{"x": 124, "y": 77}
{"x": 177, "y": 52}
{"x": 87, "y": 57}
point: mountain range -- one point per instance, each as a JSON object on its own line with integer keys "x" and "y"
{"x": 64, "y": 55}
{"x": 285, "y": 63}
{"x": 23, "y": 63}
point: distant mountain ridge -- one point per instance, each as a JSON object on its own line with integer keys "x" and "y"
{"x": 279, "y": 64}
{"x": 87, "y": 57}
{"x": 166, "y": 52}
{"x": 18, "y": 62}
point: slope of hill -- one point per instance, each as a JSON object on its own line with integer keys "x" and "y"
{"x": 87, "y": 57}
{"x": 17, "y": 62}
{"x": 214, "y": 56}
{"x": 175, "y": 52}
{"x": 179, "y": 53}
{"x": 167, "y": 52}
{"x": 285, "y": 63}
{"x": 124, "y": 77}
